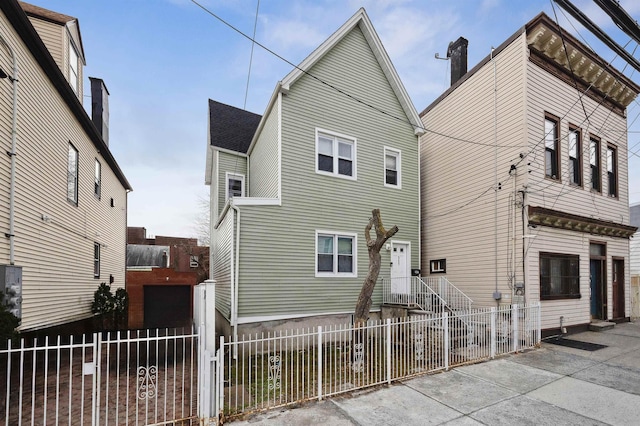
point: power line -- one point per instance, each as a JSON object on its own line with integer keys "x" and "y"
{"x": 342, "y": 92}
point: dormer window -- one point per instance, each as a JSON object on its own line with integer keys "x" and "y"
{"x": 73, "y": 68}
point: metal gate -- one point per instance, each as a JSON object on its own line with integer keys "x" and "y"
{"x": 134, "y": 377}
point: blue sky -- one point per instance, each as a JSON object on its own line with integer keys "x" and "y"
{"x": 163, "y": 59}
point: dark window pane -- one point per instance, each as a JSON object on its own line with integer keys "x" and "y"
{"x": 345, "y": 167}
{"x": 392, "y": 177}
{"x": 325, "y": 163}
{"x": 325, "y": 263}
{"x": 559, "y": 276}
{"x": 345, "y": 263}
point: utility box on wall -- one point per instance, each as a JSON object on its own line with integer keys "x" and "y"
{"x": 11, "y": 288}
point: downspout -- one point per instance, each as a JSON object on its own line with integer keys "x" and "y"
{"x": 495, "y": 172}
{"x": 236, "y": 274}
{"x": 12, "y": 153}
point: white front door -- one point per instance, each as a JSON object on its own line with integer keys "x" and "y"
{"x": 400, "y": 277}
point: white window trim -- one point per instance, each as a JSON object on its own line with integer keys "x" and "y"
{"x": 97, "y": 188}
{"x": 74, "y": 68}
{"x": 354, "y": 160}
{"x": 353, "y": 274}
{"x": 75, "y": 175}
{"x": 440, "y": 269}
{"x": 237, "y": 176}
{"x": 398, "y": 155}
{"x": 96, "y": 260}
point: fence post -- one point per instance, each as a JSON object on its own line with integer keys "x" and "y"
{"x": 319, "y": 356}
{"x": 514, "y": 318}
{"x": 97, "y": 355}
{"x": 539, "y": 324}
{"x": 493, "y": 332}
{"x": 220, "y": 379}
{"x": 389, "y": 350}
{"x": 445, "y": 331}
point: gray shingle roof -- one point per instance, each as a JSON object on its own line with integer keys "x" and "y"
{"x": 230, "y": 127}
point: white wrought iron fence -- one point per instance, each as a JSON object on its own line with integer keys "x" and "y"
{"x": 266, "y": 371}
{"x": 134, "y": 377}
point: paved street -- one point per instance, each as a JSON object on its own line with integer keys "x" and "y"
{"x": 554, "y": 385}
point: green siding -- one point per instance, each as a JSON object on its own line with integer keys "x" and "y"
{"x": 277, "y": 254}
{"x": 222, "y": 241}
{"x": 263, "y": 161}
{"x": 230, "y": 163}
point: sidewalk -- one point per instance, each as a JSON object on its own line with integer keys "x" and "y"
{"x": 554, "y": 385}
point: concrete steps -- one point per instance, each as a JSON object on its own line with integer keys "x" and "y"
{"x": 601, "y": 325}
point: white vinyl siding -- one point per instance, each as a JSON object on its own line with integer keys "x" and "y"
{"x": 55, "y": 253}
{"x": 459, "y": 209}
{"x": 458, "y": 223}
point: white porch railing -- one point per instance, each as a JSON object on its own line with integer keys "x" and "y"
{"x": 431, "y": 294}
{"x": 266, "y": 371}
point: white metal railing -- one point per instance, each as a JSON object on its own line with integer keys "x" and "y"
{"x": 267, "y": 371}
{"x": 133, "y": 377}
{"x": 432, "y": 294}
{"x": 455, "y": 299}
{"x": 412, "y": 292}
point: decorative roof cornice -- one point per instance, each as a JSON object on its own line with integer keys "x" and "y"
{"x": 561, "y": 220}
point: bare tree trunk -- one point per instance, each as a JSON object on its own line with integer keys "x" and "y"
{"x": 363, "y": 306}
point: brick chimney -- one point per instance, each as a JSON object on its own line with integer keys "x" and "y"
{"x": 100, "y": 107}
{"x": 457, "y": 53}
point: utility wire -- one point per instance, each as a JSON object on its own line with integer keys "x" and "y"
{"x": 342, "y": 92}
{"x": 253, "y": 43}
{"x": 379, "y": 110}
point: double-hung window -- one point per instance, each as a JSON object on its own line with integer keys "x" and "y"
{"x": 72, "y": 175}
{"x": 97, "y": 185}
{"x": 392, "y": 175}
{"x": 559, "y": 276}
{"x": 335, "y": 254}
{"x": 612, "y": 171}
{"x": 594, "y": 163}
{"x": 575, "y": 157}
{"x": 335, "y": 154}
{"x": 235, "y": 185}
{"x": 551, "y": 138}
{"x": 96, "y": 260}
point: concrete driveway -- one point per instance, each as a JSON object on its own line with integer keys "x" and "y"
{"x": 554, "y": 385}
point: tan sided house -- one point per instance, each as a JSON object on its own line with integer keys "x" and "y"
{"x": 526, "y": 180}
{"x": 292, "y": 190}
{"x": 65, "y": 198}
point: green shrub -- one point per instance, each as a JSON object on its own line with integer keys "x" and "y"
{"x": 111, "y": 308}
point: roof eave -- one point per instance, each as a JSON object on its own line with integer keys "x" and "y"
{"x": 21, "y": 24}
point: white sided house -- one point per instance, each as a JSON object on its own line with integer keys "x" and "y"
{"x": 65, "y": 209}
{"x": 526, "y": 178}
{"x": 292, "y": 190}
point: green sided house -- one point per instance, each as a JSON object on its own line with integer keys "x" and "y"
{"x": 292, "y": 190}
